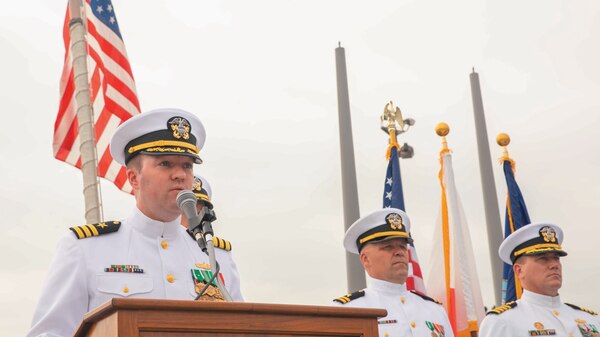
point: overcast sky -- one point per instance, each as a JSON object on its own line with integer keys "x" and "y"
{"x": 261, "y": 76}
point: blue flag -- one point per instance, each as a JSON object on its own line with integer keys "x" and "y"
{"x": 392, "y": 191}
{"x": 516, "y": 217}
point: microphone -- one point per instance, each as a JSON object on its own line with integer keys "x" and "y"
{"x": 200, "y": 226}
{"x": 186, "y": 201}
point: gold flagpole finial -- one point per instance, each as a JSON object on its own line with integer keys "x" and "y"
{"x": 394, "y": 125}
{"x": 442, "y": 130}
{"x": 503, "y": 140}
{"x": 392, "y": 121}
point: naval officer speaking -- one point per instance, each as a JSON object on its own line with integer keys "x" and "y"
{"x": 147, "y": 255}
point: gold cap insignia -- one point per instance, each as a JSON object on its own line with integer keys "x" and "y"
{"x": 394, "y": 220}
{"x": 548, "y": 234}
{"x": 197, "y": 184}
{"x": 180, "y": 126}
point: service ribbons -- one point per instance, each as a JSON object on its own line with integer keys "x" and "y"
{"x": 124, "y": 268}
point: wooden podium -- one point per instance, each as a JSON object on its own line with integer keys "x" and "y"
{"x": 122, "y": 317}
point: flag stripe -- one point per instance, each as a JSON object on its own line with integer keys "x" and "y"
{"x": 114, "y": 51}
{"x": 122, "y": 81}
{"x": 112, "y": 91}
{"x": 446, "y": 247}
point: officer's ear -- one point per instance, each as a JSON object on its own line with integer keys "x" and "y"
{"x": 364, "y": 259}
{"x": 134, "y": 167}
{"x": 132, "y": 177}
{"x": 518, "y": 268}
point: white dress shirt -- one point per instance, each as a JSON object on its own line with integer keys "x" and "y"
{"x": 77, "y": 281}
{"x": 408, "y": 314}
{"x": 540, "y": 315}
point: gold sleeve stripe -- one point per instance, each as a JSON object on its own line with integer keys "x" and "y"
{"x": 502, "y": 308}
{"x": 221, "y": 243}
{"x": 93, "y": 229}
{"x": 343, "y": 299}
{"x": 78, "y": 232}
{"x": 86, "y": 231}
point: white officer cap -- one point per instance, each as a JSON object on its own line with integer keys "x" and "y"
{"x": 202, "y": 190}
{"x": 532, "y": 239}
{"x": 381, "y": 225}
{"x": 159, "y": 132}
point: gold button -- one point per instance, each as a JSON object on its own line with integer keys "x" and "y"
{"x": 413, "y": 324}
{"x": 386, "y": 334}
{"x": 125, "y": 290}
{"x": 170, "y": 278}
{"x": 164, "y": 244}
{"x": 555, "y": 312}
{"x": 402, "y": 299}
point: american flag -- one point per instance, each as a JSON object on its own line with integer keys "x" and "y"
{"x": 112, "y": 91}
{"x": 393, "y": 197}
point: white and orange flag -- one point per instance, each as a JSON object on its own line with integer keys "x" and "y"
{"x": 452, "y": 275}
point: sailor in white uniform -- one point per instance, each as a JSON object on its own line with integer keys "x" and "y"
{"x": 534, "y": 251}
{"x": 381, "y": 239}
{"x": 147, "y": 255}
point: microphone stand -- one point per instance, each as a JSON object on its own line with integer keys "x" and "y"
{"x": 207, "y": 216}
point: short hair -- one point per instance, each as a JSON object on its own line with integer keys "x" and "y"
{"x": 135, "y": 163}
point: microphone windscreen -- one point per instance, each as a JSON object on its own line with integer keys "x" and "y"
{"x": 185, "y": 196}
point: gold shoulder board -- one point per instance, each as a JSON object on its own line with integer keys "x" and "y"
{"x": 88, "y": 231}
{"x": 427, "y": 298}
{"x": 349, "y": 297}
{"x": 576, "y": 307}
{"x": 222, "y": 243}
{"x": 502, "y": 308}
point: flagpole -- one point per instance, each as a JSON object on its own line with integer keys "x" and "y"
{"x": 490, "y": 200}
{"x": 517, "y": 216}
{"x": 91, "y": 185}
{"x": 393, "y": 124}
{"x": 354, "y": 269}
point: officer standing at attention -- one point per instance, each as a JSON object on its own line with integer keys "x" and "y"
{"x": 381, "y": 239}
{"x": 534, "y": 251}
{"x": 203, "y": 192}
{"x": 147, "y": 255}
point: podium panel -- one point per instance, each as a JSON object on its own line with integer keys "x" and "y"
{"x": 122, "y": 317}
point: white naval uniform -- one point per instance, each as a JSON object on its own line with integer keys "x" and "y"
{"x": 408, "y": 313}
{"x": 77, "y": 281}
{"x": 533, "y": 308}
